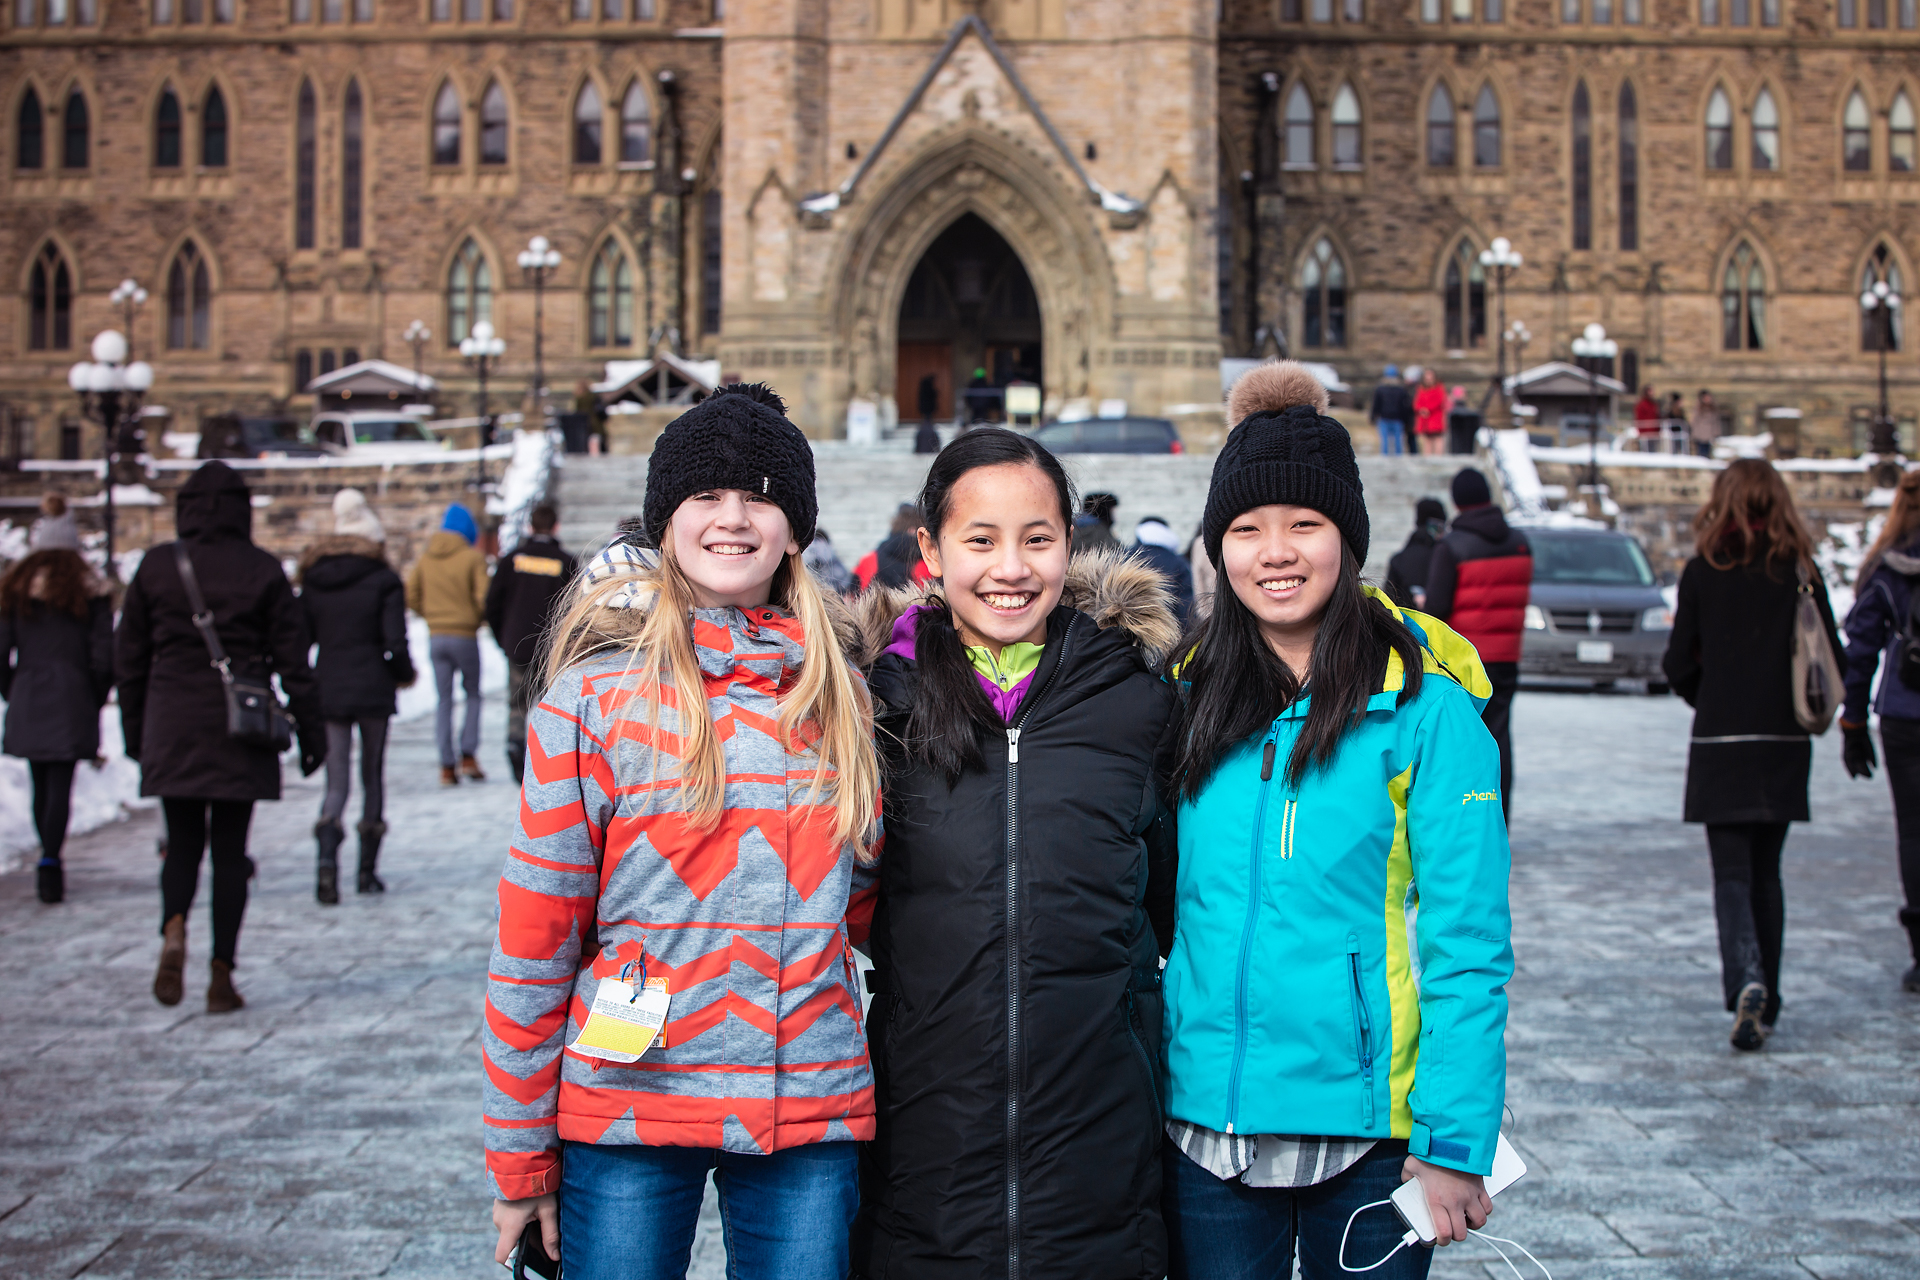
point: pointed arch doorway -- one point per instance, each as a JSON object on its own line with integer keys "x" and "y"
{"x": 969, "y": 322}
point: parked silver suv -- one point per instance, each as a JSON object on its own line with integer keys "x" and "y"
{"x": 1597, "y": 612}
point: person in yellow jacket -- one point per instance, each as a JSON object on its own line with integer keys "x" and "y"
{"x": 448, "y": 587}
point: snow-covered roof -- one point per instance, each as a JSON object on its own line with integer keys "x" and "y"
{"x": 622, "y": 375}
{"x": 1558, "y": 378}
{"x": 370, "y": 377}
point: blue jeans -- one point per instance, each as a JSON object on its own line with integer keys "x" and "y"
{"x": 1220, "y": 1230}
{"x": 452, "y": 654}
{"x": 628, "y": 1213}
{"x": 1393, "y": 436}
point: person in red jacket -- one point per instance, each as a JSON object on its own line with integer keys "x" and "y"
{"x": 1478, "y": 582}
{"x": 1430, "y": 404}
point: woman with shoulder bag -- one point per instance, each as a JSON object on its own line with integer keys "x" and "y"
{"x": 56, "y": 669}
{"x": 1882, "y": 620}
{"x": 175, "y": 708}
{"x": 355, "y": 608}
{"x": 1731, "y": 656}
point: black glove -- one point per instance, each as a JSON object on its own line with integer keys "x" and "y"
{"x": 1856, "y": 750}
{"x": 313, "y": 752}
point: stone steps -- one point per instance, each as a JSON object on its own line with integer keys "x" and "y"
{"x": 860, "y": 487}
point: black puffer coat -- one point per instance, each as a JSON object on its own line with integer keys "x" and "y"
{"x": 355, "y": 608}
{"x": 1016, "y": 1030}
{"x": 172, "y": 708}
{"x": 55, "y": 673}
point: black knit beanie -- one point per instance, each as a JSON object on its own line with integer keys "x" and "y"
{"x": 737, "y": 438}
{"x": 1470, "y": 489}
{"x": 1284, "y": 450}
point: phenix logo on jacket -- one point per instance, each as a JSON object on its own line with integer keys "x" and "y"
{"x": 1360, "y": 989}
{"x": 749, "y": 922}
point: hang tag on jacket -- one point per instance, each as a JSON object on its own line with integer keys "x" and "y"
{"x": 624, "y": 1024}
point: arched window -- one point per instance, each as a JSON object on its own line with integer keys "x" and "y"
{"x": 1743, "y": 301}
{"x": 588, "y": 120}
{"x": 213, "y": 130}
{"x": 353, "y": 163}
{"x": 469, "y": 292}
{"x": 493, "y": 124}
{"x": 29, "y": 134}
{"x": 1582, "y": 167}
{"x": 1323, "y": 296}
{"x": 1346, "y": 127}
{"x": 1900, "y": 150}
{"x": 1881, "y": 324}
{"x": 1719, "y": 131}
{"x": 1766, "y": 132}
{"x": 446, "y": 126}
{"x": 189, "y": 301}
{"x": 1856, "y": 135}
{"x": 1629, "y": 155}
{"x": 610, "y": 299}
{"x": 51, "y": 288}
{"x": 306, "y": 134}
{"x": 1441, "y": 123}
{"x": 1466, "y": 299}
{"x": 77, "y": 132}
{"x": 1486, "y": 129}
{"x": 166, "y": 131}
{"x": 636, "y": 126}
{"x": 1299, "y": 127}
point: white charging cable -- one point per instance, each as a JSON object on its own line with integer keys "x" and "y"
{"x": 1413, "y": 1237}
{"x": 1494, "y": 1243}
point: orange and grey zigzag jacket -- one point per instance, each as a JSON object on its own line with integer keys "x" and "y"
{"x": 750, "y": 922}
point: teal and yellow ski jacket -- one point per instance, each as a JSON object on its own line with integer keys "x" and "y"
{"x": 1340, "y": 961}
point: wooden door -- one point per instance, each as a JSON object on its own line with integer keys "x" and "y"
{"x": 917, "y": 360}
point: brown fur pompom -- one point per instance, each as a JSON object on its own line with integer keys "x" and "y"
{"x": 1271, "y": 387}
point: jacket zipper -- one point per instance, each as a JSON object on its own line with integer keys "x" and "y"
{"x": 1246, "y": 930}
{"x": 1362, "y": 1029}
{"x": 1014, "y": 1074}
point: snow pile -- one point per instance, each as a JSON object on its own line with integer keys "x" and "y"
{"x": 524, "y": 486}
{"x": 1839, "y": 556}
{"x": 100, "y": 795}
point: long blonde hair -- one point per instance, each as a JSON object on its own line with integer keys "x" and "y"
{"x": 826, "y": 712}
{"x": 1902, "y": 519}
{"x": 1750, "y": 504}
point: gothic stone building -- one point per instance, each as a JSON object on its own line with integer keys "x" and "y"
{"x": 869, "y": 201}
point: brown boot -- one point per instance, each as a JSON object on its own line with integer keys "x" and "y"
{"x": 449, "y": 776}
{"x": 470, "y": 768}
{"x": 221, "y": 997}
{"x": 173, "y": 961}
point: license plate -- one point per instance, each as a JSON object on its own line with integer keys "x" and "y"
{"x": 1594, "y": 651}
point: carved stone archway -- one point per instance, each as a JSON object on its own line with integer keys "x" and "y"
{"x": 1047, "y": 221}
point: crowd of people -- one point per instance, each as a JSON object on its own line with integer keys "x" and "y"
{"x": 1113, "y": 824}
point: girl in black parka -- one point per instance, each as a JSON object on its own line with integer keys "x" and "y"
{"x": 1015, "y": 1028}
{"x": 56, "y": 669}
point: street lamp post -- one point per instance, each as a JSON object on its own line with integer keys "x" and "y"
{"x": 1518, "y": 335}
{"x": 129, "y": 297}
{"x": 417, "y": 336}
{"x": 538, "y": 260}
{"x": 481, "y": 347}
{"x": 1502, "y": 258}
{"x": 110, "y": 391}
{"x": 1594, "y": 345}
{"x": 1881, "y": 302}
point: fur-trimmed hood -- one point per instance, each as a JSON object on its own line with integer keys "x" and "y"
{"x": 1113, "y": 588}
{"x": 339, "y": 544}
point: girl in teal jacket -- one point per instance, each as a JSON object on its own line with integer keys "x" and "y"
{"x": 1335, "y": 996}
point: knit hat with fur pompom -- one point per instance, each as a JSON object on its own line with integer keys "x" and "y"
{"x": 1285, "y": 451}
{"x": 737, "y": 438}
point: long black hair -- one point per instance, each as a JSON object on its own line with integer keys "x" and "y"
{"x": 950, "y": 710}
{"x": 1237, "y": 684}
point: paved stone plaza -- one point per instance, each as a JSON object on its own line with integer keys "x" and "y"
{"x": 331, "y": 1128}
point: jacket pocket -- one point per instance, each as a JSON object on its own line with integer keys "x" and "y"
{"x": 1363, "y": 1037}
{"x": 1140, "y": 1038}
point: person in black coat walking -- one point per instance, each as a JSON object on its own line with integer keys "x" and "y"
{"x": 56, "y": 669}
{"x": 355, "y": 609}
{"x": 1155, "y": 542}
{"x": 1406, "y": 583}
{"x": 1015, "y": 1033}
{"x": 520, "y": 603}
{"x": 173, "y": 709}
{"x": 1731, "y": 657}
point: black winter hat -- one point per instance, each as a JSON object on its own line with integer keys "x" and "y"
{"x": 737, "y": 438}
{"x": 1470, "y": 489}
{"x": 1429, "y": 509}
{"x": 1285, "y": 450}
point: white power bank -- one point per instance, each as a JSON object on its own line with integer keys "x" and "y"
{"x": 1410, "y": 1201}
